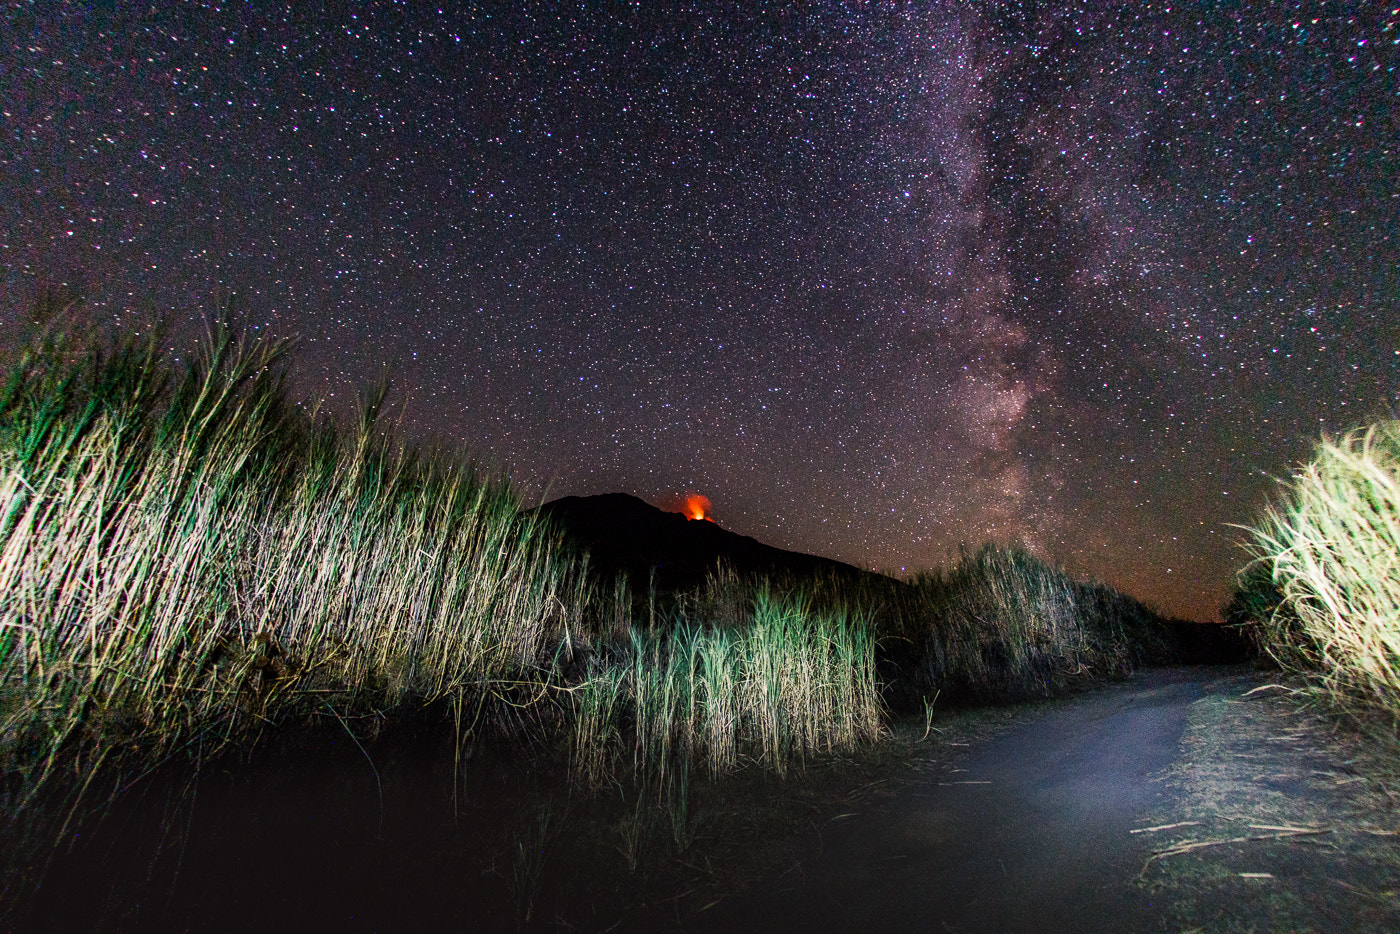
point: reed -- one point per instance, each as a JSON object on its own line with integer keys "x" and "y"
{"x": 788, "y": 684}
{"x": 1331, "y": 550}
{"x": 187, "y": 557}
{"x": 1000, "y": 624}
{"x": 769, "y": 671}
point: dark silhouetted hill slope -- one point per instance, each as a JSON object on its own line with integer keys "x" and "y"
{"x": 624, "y": 533}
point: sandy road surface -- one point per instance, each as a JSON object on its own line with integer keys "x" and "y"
{"x": 1028, "y": 827}
{"x": 1033, "y": 831}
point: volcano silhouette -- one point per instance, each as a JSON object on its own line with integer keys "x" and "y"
{"x": 623, "y": 534}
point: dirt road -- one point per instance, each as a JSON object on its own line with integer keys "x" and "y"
{"x": 1035, "y": 830}
{"x": 1110, "y": 811}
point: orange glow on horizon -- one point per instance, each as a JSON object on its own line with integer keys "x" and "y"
{"x": 697, "y": 507}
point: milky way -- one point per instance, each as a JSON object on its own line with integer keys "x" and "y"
{"x": 877, "y": 279}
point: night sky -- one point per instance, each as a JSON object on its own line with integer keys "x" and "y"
{"x": 876, "y": 278}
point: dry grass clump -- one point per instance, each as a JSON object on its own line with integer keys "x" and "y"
{"x": 772, "y": 670}
{"x": 1000, "y": 624}
{"x": 1332, "y": 550}
{"x": 787, "y": 684}
{"x": 187, "y": 557}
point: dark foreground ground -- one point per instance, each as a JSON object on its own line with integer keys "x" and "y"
{"x": 1183, "y": 800}
{"x": 1030, "y": 832}
{"x": 1110, "y": 813}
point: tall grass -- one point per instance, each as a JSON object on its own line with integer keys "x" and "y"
{"x": 1001, "y": 624}
{"x": 769, "y": 670}
{"x": 1332, "y": 551}
{"x": 186, "y": 557}
{"x": 788, "y": 684}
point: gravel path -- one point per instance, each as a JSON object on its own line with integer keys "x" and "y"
{"x": 1034, "y": 830}
{"x": 1185, "y": 800}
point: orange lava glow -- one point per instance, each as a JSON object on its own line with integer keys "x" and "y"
{"x": 697, "y": 507}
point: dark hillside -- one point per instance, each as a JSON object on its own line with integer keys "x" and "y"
{"x": 624, "y": 534}
{"x": 965, "y": 631}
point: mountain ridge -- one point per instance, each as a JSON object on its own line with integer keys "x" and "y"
{"x": 625, "y": 534}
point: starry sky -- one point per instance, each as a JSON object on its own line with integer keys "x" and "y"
{"x": 876, "y": 278}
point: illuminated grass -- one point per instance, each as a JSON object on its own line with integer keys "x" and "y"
{"x": 1001, "y": 624}
{"x": 1332, "y": 550}
{"x": 788, "y": 684}
{"x": 768, "y": 673}
{"x": 187, "y": 558}
{"x": 771, "y": 670}
{"x": 1014, "y": 624}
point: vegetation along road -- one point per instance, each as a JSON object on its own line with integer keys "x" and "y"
{"x": 1112, "y": 812}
